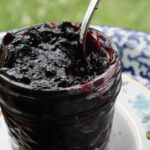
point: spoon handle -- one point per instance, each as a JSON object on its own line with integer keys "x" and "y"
{"x": 87, "y": 19}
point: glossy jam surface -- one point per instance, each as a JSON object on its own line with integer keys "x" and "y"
{"x": 50, "y": 56}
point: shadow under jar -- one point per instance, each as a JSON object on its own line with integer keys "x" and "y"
{"x": 73, "y": 118}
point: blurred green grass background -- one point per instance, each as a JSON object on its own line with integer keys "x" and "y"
{"x": 132, "y": 14}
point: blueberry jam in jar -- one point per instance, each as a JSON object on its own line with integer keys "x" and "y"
{"x": 53, "y": 96}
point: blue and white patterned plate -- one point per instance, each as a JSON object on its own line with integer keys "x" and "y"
{"x": 131, "y": 128}
{"x": 134, "y": 48}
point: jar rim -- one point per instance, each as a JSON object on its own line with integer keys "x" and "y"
{"x": 75, "y": 89}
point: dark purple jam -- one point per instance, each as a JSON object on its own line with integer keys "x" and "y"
{"x": 43, "y": 110}
{"x": 50, "y": 56}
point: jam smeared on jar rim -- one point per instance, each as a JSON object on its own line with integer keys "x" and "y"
{"x": 50, "y": 56}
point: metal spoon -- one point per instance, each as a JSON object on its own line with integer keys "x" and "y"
{"x": 86, "y": 22}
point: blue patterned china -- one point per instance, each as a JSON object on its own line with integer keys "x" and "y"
{"x": 134, "y": 51}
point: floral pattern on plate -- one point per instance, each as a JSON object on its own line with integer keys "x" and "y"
{"x": 134, "y": 48}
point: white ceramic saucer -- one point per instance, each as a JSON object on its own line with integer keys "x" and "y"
{"x": 131, "y": 120}
{"x": 124, "y": 135}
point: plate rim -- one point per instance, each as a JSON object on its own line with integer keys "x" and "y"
{"x": 125, "y": 112}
